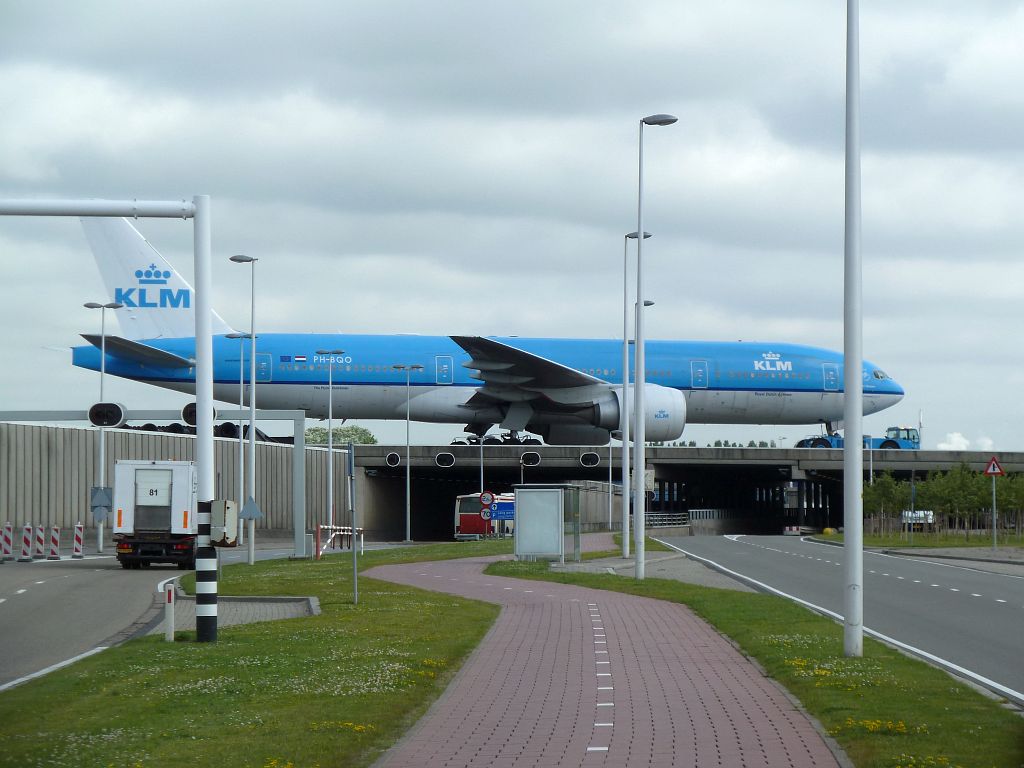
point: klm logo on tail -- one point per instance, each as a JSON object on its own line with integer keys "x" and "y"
{"x": 147, "y": 296}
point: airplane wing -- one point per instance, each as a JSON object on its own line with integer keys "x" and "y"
{"x": 521, "y": 384}
{"x": 136, "y": 352}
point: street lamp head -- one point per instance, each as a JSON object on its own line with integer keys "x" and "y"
{"x": 238, "y": 335}
{"x": 107, "y": 305}
{"x": 243, "y": 259}
{"x": 330, "y": 351}
{"x": 416, "y": 367}
{"x": 92, "y": 305}
{"x": 632, "y": 235}
{"x": 659, "y": 120}
{"x": 648, "y": 303}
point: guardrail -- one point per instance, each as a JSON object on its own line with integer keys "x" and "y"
{"x": 666, "y": 519}
{"x": 326, "y": 535}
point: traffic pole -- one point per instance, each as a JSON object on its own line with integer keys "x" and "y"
{"x": 54, "y": 543}
{"x": 77, "y": 547}
{"x": 26, "y": 545}
{"x": 169, "y": 612}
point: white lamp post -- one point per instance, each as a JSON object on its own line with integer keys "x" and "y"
{"x": 641, "y": 371}
{"x": 103, "y": 370}
{"x": 241, "y": 452}
{"x": 250, "y": 476}
{"x": 408, "y": 473}
{"x": 330, "y": 433}
{"x": 853, "y": 355}
{"x": 624, "y": 419}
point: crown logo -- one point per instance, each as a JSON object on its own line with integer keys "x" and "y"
{"x": 151, "y": 275}
{"x": 771, "y": 356}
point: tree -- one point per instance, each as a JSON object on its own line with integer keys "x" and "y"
{"x": 350, "y": 433}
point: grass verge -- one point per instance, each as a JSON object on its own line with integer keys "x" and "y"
{"x": 885, "y": 709}
{"x": 330, "y": 690}
{"x": 924, "y": 540}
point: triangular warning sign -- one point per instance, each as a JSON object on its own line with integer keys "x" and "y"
{"x": 993, "y": 468}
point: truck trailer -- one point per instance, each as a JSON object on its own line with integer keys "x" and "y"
{"x": 155, "y": 513}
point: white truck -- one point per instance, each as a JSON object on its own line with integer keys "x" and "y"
{"x": 155, "y": 513}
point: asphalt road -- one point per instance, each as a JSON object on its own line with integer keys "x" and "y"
{"x": 961, "y": 614}
{"x": 55, "y": 611}
{"x": 52, "y": 611}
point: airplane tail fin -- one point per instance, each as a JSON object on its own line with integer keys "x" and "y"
{"x": 158, "y": 302}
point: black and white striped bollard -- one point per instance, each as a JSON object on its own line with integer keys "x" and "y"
{"x": 206, "y": 579}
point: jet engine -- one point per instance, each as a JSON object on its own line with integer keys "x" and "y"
{"x": 665, "y": 412}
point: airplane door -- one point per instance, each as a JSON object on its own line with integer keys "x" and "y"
{"x": 699, "y": 374}
{"x": 443, "y": 369}
{"x": 264, "y": 367}
{"x": 831, "y": 374}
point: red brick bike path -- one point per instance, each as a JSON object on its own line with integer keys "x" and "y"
{"x": 577, "y": 677}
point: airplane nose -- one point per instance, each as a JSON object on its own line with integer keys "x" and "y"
{"x": 879, "y": 401}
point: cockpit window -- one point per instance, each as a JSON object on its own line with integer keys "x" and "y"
{"x": 880, "y": 374}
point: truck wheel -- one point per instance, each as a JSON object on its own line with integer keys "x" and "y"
{"x": 820, "y": 442}
{"x": 889, "y": 444}
{"x": 125, "y": 564}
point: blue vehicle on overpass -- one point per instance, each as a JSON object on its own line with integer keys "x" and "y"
{"x": 896, "y": 438}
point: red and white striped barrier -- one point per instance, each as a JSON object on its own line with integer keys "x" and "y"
{"x": 26, "y": 545}
{"x": 791, "y": 530}
{"x": 7, "y": 540}
{"x": 54, "y": 543}
{"x": 76, "y": 552}
{"x": 40, "y": 552}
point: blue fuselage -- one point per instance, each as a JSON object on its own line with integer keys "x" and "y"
{"x": 723, "y": 382}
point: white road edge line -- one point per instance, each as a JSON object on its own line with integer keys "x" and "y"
{"x": 981, "y": 680}
{"x": 52, "y": 668}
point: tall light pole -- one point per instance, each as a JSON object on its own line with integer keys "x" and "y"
{"x": 241, "y": 452}
{"x": 408, "y": 469}
{"x": 330, "y": 434}
{"x": 102, "y": 307}
{"x": 624, "y": 419}
{"x": 853, "y": 414}
{"x": 641, "y": 371}
{"x": 250, "y": 475}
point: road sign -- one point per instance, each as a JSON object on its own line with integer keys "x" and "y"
{"x": 250, "y": 510}
{"x": 485, "y": 513}
{"x": 503, "y": 510}
{"x": 993, "y": 469}
{"x": 100, "y": 501}
{"x": 486, "y": 499}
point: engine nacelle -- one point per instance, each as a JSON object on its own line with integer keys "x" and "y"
{"x": 574, "y": 434}
{"x": 665, "y": 412}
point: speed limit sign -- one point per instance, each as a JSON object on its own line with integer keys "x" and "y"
{"x": 486, "y": 499}
{"x": 485, "y": 513}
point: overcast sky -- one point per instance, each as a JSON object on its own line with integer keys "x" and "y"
{"x": 470, "y": 167}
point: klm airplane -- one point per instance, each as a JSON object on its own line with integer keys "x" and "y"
{"x": 566, "y": 390}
